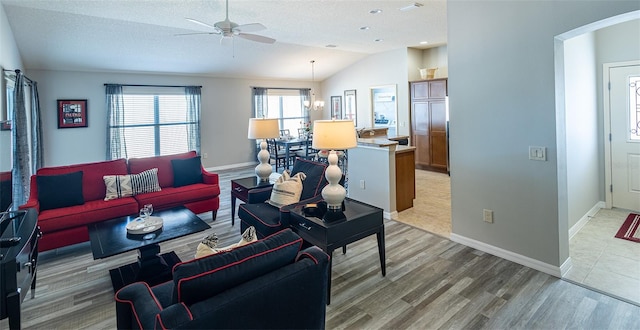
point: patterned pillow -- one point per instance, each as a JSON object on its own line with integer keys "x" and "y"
{"x": 145, "y": 182}
{"x": 118, "y": 186}
{"x": 287, "y": 189}
{"x": 209, "y": 244}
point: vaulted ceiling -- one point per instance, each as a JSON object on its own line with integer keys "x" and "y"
{"x": 140, "y": 35}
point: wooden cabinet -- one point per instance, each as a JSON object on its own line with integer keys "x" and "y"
{"x": 429, "y": 124}
{"x": 405, "y": 177}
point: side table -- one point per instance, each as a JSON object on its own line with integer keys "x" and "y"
{"x": 362, "y": 220}
{"x": 240, "y": 189}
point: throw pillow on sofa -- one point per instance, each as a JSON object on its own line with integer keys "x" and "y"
{"x": 287, "y": 189}
{"x": 118, "y": 186}
{"x": 315, "y": 173}
{"x": 145, "y": 182}
{"x": 209, "y": 244}
{"x": 56, "y": 191}
{"x": 186, "y": 171}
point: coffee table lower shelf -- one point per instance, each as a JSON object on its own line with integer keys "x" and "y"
{"x": 155, "y": 275}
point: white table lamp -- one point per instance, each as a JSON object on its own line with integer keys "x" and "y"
{"x": 334, "y": 135}
{"x": 263, "y": 128}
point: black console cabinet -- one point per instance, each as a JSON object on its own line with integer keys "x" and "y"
{"x": 19, "y": 234}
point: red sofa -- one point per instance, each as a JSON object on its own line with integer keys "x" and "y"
{"x": 68, "y": 225}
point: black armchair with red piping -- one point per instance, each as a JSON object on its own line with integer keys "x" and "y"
{"x": 268, "y": 219}
{"x": 269, "y": 284}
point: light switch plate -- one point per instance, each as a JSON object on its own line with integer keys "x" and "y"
{"x": 537, "y": 153}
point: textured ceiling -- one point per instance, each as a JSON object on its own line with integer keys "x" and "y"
{"x": 139, "y": 35}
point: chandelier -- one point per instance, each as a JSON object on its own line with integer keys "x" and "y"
{"x": 313, "y": 104}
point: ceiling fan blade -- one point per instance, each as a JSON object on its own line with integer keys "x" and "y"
{"x": 193, "y": 33}
{"x": 252, "y": 27}
{"x": 201, "y": 23}
{"x": 255, "y": 37}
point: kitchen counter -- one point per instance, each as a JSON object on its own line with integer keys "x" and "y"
{"x": 377, "y": 142}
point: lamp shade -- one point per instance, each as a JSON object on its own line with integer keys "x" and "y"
{"x": 260, "y": 128}
{"x": 334, "y": 134}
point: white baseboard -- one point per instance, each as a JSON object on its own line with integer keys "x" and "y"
{"x": 231, "y": 166}
{"x": 390, "y": 215}
{"x": 585, "y": 218}
{"x": 511, "y": 256}
{"x": 566, "y": 266}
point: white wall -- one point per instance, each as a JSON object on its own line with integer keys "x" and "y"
{"x": 388, "y": 68}
{"x": 414, "y": 64}
{"x": 502, "y": 100}
{"x": 226, "y": 109}
{"x": 436, "y": 57}
{"x": 375, "y": 168}
{"x": 581, "y": 115}
{"x": 9, "y": 60}
{"x": 9, "y": 55}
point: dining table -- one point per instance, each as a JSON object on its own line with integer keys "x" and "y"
{"x": 287, "y": 143}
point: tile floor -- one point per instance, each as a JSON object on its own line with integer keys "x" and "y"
{"x": 603, "y": 262}
{"x": 600, "y": 261}
{"x": 431, "y": 209}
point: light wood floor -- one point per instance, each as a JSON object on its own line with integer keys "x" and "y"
{"x": 601, "y": 262}
{"x": 431, "y": 283}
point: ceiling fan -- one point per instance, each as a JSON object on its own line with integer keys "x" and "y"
{"x": 229, "y": 29}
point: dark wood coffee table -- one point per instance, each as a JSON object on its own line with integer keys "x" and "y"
{"x": 109, "y": 238}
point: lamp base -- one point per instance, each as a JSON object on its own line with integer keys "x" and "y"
{"x": 263, "y": 170}
{"x": 333, "y": 215}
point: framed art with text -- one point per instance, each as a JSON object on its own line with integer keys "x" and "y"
{"x": 336, "y": 107}
{"x": 350, "y": 106}
{"x": 72, "y": 113}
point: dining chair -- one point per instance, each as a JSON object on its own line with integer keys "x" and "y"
{"x": 307, "y": 151}
{"x": 285, "y": 133}
{"x": 278, "y": 155}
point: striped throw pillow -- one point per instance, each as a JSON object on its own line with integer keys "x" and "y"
{"x": 145, "y": 182}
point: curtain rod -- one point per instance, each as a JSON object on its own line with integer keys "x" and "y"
{"x": 151, "y": 85}
{"x": 278, "y": 87}
{"x": 18, "y": 71}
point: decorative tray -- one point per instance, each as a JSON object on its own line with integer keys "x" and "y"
{"x": 142, "y": 226}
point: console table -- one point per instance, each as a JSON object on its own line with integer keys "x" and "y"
{"x": 361, "y": 220}
{"x": 19, "y": 235}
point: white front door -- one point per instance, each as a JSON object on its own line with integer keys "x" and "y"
{"x": 624, "y": 99}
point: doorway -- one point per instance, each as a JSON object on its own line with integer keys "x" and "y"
{"x": 622, "y": 109}
{"x": 594, "y": 258}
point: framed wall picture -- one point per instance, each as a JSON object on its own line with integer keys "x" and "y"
{"x": 336, "y": 107}
{"x": 350, "y": 106}
{"x": 72, "y": 113}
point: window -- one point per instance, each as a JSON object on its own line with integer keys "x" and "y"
{"x": 154, "y": 121}
{"x": 634, "y": 108}
{"x": 284, "y": 104}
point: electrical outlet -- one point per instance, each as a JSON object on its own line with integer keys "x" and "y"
{"x": 205, "y": 155}
{"x": 362, "y": 184}
{"x": 487, "y": 215}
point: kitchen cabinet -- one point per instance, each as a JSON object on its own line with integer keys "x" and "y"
{"x": 429, "y": 124}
